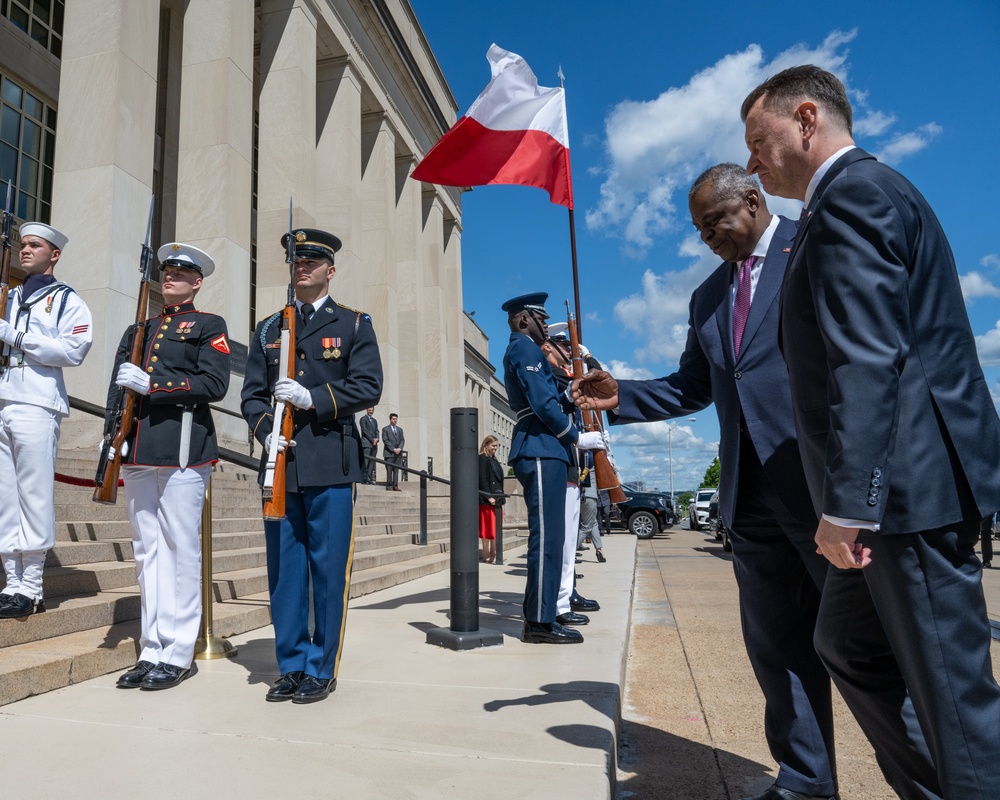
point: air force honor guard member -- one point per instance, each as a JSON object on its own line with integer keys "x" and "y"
{"x": 48, "y": 327}
{"x": 542, "y": 456}
{"x": 167, "y": 461}
{"x": 339, "y": 373}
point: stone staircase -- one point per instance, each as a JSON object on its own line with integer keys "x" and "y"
{"x": 91, "y": 625}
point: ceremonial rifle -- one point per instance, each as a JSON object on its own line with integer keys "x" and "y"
{"x": 284, "y": 424}
{"x": 7, "y": 231}
{"x": 607, "y": 478}
{"x": 118, "y": 424}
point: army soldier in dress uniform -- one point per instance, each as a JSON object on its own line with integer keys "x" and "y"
{"x": 46, "y": 328}
{"x": 542, "y": 456}
{"x": 338, "y": 373}
{"x": 167, "y": 461}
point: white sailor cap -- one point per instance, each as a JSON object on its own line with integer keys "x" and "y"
{"x": 177, "y": 254}
{"x": 56, "y": 238}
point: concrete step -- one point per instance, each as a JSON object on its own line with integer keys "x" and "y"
{"x": 91, "y": 531}
{"x": 67, "y": 554}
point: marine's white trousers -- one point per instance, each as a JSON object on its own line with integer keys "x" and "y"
{"x": 568, "y": 578}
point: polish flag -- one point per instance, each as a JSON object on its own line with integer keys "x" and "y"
{"x": 515, "y": 132}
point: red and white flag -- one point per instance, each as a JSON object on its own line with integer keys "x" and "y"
{"x": 515, "y": 132}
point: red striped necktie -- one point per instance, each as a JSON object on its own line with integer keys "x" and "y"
{"x": 741, "y": 306}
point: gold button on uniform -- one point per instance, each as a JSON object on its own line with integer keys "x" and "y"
{"x": 156, "y": 347}
{"x": 169, "y": 384}
{"x": 159, "y": 335}
{"x": 155, "y": 358}
{"x": 167, "y": 319}
{"x": 149, "y": 369}
{"x": 302, "y": 356}
{"x": 301, "y": 373}
{"x": 163, "y": 328}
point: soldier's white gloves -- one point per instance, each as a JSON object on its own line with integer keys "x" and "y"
{"x": 293, "y": 392}
{"x": 591, "y": 440}
{"x": 132, "y": 377}
{"x": 8, "y": 333}
{"x": 111, "y": 450}
{"x": 282, "y": 443}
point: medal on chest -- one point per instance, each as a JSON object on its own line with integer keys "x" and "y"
{"x": 331, "y": 348}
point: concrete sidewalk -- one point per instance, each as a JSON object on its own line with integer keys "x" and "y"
{"x": 408, "y": 720}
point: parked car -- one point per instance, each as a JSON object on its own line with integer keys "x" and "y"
{"x": 698, "y": 510}
{"x": 645, "y": 514}
{"x": 715, "y": 525}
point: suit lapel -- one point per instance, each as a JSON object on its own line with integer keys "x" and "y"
{"x": 771, "y": 274}
{"x": 724, "y": 308}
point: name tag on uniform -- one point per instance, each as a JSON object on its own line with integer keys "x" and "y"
{"x": 331, "y": 347}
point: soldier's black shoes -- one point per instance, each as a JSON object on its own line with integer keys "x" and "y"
{"x": 313, "y": 689}
{"x": 572, "y": 618}
{"x": 284, "y": 687}
{"x": 578, "y": 603}
{"x": 164, "y": 676}
{"x": 133, "y": 678}
{"x": 778, "y": 793}
{"x": 549, "y": 633}
{"x": 19, "y": 605}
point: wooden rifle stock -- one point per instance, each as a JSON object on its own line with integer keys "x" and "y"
{"x": 274, "y": 494}
{"x": 607, "y": 478}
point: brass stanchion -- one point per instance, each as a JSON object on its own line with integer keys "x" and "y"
{"x": 208, "y": 645}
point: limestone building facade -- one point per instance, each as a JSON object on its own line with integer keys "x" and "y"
{"x": 221, "y": 111}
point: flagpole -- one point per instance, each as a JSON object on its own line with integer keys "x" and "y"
{"x": 572, "y": 236}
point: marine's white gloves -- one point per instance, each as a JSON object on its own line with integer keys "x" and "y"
{"x": 282, "y": 443}
{"x": 132, "y": 377}
{"x": 591, "y": 440}
{"x": 111, "y": 450}
{"x": 292, "y": 392}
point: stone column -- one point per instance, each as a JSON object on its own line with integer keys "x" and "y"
{"x": 104, "y": 167}
{"x": 436, "y": 306}
{"x": 286, "y": 164}
{"x": 215, "y": 157}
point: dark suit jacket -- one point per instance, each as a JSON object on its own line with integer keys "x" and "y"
{"x": 337, "y": 360}
{"x": 895, "y": 420}
{"x": 369, "y": 429}
{"x": 755, "y": 382}
{"x": 490, "y": 479}
{"x": 390, "y": 440}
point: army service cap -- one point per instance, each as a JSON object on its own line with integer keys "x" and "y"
{"x": 313, "y": 243}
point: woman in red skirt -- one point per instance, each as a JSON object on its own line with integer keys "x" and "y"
{"x": 490, "y": 484}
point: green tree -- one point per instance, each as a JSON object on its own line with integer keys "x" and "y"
{"x": 712, "y": 474}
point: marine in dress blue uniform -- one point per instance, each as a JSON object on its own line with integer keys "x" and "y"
{"x": 167, "y": 462}
{"x": 541, "y": 454}
{"x": 338, "y": 373}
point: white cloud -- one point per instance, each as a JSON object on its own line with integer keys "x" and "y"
{"x": 624, "y": 372}
{"x": 988, "y": 346}
{"x": 872, "y": 123}
{"x": 906, "y": 144}
{"x": 640, "y": 451}
{"x": 990, "y": 260}
{"x": 975, "y": 285}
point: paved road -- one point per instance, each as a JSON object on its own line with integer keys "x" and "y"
{"x": 692, "y": 723}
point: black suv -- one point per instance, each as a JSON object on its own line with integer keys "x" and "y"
{"x": 645, "y": 514}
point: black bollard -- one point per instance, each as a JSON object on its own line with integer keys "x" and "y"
{"x": 464, "y": 633}
{"x": 499, "y": 535}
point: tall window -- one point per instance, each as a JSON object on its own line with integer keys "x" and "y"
{"x": 42, "y": 20}
{"x": 27, "y": 150}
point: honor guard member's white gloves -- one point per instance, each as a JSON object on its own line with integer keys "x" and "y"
{"x": 591, "y": 440}
{"x": 132, "y": 377}
{"x": 293, "y": 392}
{"x": 282, "y": 443}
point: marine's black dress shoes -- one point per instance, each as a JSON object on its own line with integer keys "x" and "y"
{"x": 19, "y": 605}
{"x": 133, "y": 678}
{"x": 778, "y": 793}
{"x": 313, "y": 689}
{"x": 284, "y": 687}
{"x": 164, "y": 676}
{"x": 549, "y": 633}
{"x": 572, "y": 618}
{"x": 578, "y": 603}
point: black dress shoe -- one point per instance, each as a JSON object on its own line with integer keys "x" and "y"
{"x": 313, "y": 689}
{"x": 987, "y": 565}
{"x": 133, "y": 678}
{"x": 572, "y": 618}
{"x": 549, "y": 633}
{"x": 600, "y": 556}
{"x": 20, "y": 605}
{"x": 578, "y": 603}
{"x": 778, "y": 793}
{"x": 164, "y": 676}
{"x": 284, "y": 687}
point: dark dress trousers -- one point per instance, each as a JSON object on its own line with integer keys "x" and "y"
{"x": 337, "y": 360}
{"x": 897, "y": 428}
{"x": 392, "y": 437}
{"x": 540, "y": 453}
{"x": 763, "y": 500}
{"x": 369, "y": 436}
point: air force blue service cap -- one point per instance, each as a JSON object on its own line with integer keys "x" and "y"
{"x": 177, "y": 254}
{"x": 527, "y": 302}
{"x": 55, "y": 238}
{"x": 313, "y": 243}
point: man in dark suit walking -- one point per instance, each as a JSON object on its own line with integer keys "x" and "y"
{"x": 899, "y": 440}
{"x": 369, "y": 443}
{"x": 393, "y": 443}
{"x": 731, "y": 359}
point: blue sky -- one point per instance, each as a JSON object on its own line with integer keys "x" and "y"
{"x": 653, "y": 94}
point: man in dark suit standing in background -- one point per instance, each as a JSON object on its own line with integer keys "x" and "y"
{"x": 393, "y": 442}
{"x": 731, "y": 358}
{"x": 899, "y": 439}
{"x": 369, "y": 443}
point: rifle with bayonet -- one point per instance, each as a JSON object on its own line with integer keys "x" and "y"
{"x": 284, "y": 424}
{"x": 6, "y": 231}
{"x": 118, "y": 424}
{"x": 607, "y": 478}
